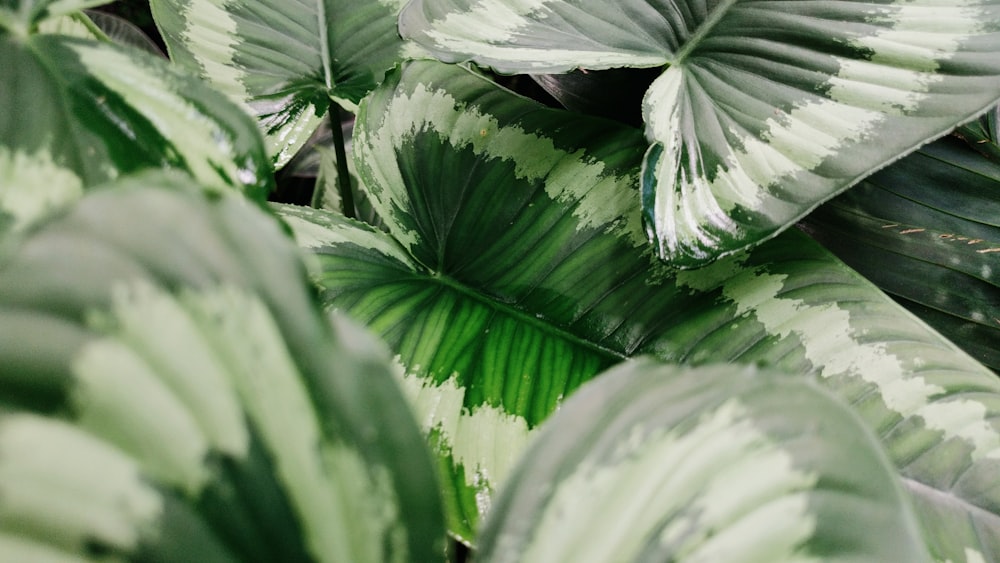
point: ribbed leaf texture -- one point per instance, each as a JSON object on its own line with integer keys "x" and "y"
{"x": 764, "y": 109}
{"x": 80, "y": 112}
{"x": 723, "y": 463}
{"x": 170, "y": 391}
{"x": 284, "y": 60}
{"x": 516, "y": 268}
{"x": 927, "y": 231}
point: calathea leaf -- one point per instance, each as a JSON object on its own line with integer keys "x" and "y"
{"x": 763, "y": 110}
{"x": 82, "y": 112}
{"x": 100, "y": 26}
{"x": 516, "y": 268}
{"x": 284, "y": 61}
{"x": 662, "y": 463}
{"x": 926, "y": 230}
{"x": 21, "y": 17}
{"x": 169, "y": 394}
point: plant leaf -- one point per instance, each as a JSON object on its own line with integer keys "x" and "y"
{"x": 95, "y": 110}
{"x": 662, "y": 463}
{"x": 123, "y": 32}
{"x": 22, "y": 16}
{"x": 550, "y": 36}
{"x": 284, "y": 60}
{"x": 982, "y": 134}
{"x": 516, "y": 268}
{"x": 764, "y": 110}
{"x": 199, "y": 369}
{"x": 926, "y": 230}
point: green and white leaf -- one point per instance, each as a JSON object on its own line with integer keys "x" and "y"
{"x": 764, "y": 110}
{"x": 96, "y": 111}
{"x": 317, "y": 163}
{"x": 100, "y": 26}
{"x": 76, "y": 25}
{"x": 663, "y": 463}
{"x": 32, "y": 186}
{"x": 926, "y": 230}
{"x": 516, "y": 268}
{"x": 70, "y": 496}
{"x": 207, "y": 371}
{"x": 23, "y": 17}
{"x": 285, "y": 61}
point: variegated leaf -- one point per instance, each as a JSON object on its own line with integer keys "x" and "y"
{"x": 764, "y": 110}
{"x": 517, "y": 268}
{"x": 927, "y": 231}
{"x": 191, "y": 400}
{"x": 69, "y": 496}
{"x": 724, "y": 463}
{"x": 92, "y": 111}
{"x": 285, "y": 61}
{"x": 22, "y": 17}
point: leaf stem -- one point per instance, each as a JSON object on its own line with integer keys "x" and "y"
{"x": 343, "y": 174}
{"x": 703, "y": 30}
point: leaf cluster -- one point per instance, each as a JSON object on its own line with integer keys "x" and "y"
{"x": 671, "y": 314}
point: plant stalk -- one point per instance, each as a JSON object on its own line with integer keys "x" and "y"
{"x": 343, "y": 174}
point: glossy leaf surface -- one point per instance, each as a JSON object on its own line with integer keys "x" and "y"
{"x": 284, "y": 60}
{"x": 927, "y": 231}
{"x": 176, "y": 395}
{"x": 517, "y": 268}
{"x": 83, "y": 112}
{"x": 662, "y": 463}
{"x": 764, "y": 109}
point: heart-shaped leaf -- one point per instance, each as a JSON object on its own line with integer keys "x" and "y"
{"x": 927, "y": 231}
{"x": 764, "y": 109}
{"x": 516, "y": 268}
{"x": 660, "y": 463}
{"x": 89, "y": 110}
{"x": 175, "y": 394}
{"x": 285, "y": 60}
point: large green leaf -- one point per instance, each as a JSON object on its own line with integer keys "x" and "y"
{"x": 284, "y": 60}
{"x": 172, "y": 392}
{"x": 78, "y": 113}
{"x": 723, "y": 463}
{"x": 765, "y": 109}
{"x": 517, "y": 268}
{"x": 927, "y": 231}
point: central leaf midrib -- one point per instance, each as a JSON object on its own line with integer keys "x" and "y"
{"x": 704, "y": 29}
{"x": 918, "y": 488}
{"x": 523, "y": 316}
{"x": 324, "y": 43}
